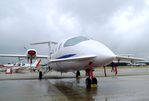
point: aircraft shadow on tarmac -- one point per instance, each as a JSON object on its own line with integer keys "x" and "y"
{"x": 72, "y": 89}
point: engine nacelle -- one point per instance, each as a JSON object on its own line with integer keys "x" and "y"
{"x": 31, "y": 54}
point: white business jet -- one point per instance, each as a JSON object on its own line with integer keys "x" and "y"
{"x": 80, "y": 53}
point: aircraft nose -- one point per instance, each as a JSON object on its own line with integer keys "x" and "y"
{"x": 104, "y": 55}
{"x": 105, "y": 58}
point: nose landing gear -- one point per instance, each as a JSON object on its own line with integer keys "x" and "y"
{"x": 91, "y": 81}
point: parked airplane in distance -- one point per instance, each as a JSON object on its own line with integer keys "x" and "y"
{"x": 17, "y": 67}
{"x": 137, "y": 64}
{"x": 80, "y": 53}
{"x": 30, "y": 55}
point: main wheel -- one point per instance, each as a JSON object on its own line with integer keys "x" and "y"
{"x": 40, "y": 75}
{"x": 77, "y": 73}
{"x": 94, "y": 81}
{"x": 88, "y": 82}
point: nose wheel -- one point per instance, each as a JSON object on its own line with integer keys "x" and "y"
{"x": 91, "y": 83}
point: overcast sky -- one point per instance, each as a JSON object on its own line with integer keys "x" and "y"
{"x": 122, "y": 25}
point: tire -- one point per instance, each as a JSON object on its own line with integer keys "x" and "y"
{"x": 40, "y": 75}
{"x": 88, "y": 82}
{"x": 94, "y": 81}
{"x": 77, "y": 74}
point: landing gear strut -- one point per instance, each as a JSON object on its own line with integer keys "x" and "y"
{"x": 40, "y": 75}
{"x": 91, "y": 81}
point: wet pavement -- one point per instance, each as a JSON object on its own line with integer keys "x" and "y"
{"x": 133, "y": 88}
{"x": 26, "y": 75}
{"x": 124, "y": 88}
{"x": 29, "y": 90}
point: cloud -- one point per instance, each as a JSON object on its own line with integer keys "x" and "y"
{"x": 121, "y": 25}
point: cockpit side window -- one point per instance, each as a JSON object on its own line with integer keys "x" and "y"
{"x": 74, "y": 41}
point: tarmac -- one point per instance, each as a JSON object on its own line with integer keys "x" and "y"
{"x": 130, "y": 85}
{"x": 26, "y": 75}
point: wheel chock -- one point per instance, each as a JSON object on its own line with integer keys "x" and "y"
{"x": 93, "y": 85}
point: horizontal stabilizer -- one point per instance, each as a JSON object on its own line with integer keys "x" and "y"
{"x": 47, "y": 42}
{"x": 22, "y": 56}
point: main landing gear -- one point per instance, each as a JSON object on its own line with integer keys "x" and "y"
{"x": 40, "y": 75}
{"x": 77, "y": 74}
{"x": 91, "y": 81}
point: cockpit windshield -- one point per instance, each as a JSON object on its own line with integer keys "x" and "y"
{"x": 74, "y": 41}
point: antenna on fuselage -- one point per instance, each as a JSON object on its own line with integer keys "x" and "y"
{"x": 25, "y": 48}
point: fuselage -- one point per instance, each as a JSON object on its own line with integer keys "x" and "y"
{"x": 77, "y": 47}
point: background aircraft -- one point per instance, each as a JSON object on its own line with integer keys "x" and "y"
{"x": 30, "y": 55}
{"x": 19, "y": 67}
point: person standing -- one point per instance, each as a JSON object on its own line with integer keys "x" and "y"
{"x": 115, "y": 69}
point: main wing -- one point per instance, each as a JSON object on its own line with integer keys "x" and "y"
{"x": 22, "y": 56}
{"x": 13, "y": 55}
{"x": 127, "y": 58}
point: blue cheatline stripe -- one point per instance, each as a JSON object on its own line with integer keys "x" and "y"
{"x": 66, "y": 56}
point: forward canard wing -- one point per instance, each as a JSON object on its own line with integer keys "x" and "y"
{"x": 84, "y": 57}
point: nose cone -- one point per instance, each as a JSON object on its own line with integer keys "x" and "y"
{"x": 104, "y": 57}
